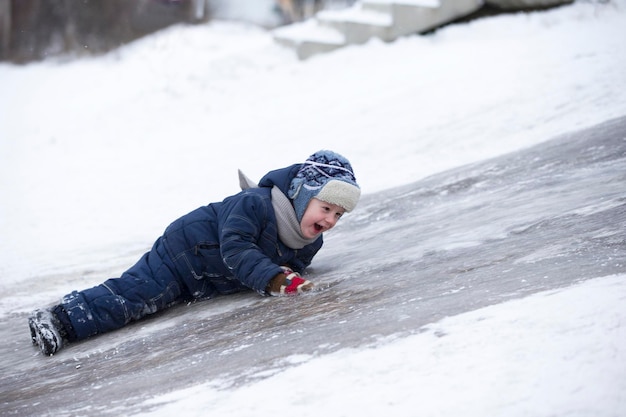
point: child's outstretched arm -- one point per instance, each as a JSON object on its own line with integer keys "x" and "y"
{"x": 241, "y": 230}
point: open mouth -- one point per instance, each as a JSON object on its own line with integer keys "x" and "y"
{"x": 318, "y": 228}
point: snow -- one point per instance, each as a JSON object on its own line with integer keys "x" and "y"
{"x": 356, "y": 15}
{"x": 310, "y": 30}
{"x": 98, "y": 155}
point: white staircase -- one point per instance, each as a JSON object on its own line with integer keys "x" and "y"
{"x": 383, "y": 19}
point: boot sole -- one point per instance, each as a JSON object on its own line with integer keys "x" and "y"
{"x": 42, "y": 335}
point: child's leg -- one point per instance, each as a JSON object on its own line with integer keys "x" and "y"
{"x": 147, "y": 287}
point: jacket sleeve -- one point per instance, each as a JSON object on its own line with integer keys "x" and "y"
{"x": 244, "y": 219}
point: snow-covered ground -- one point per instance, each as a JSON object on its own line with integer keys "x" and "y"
{"x": 98, "y": 155}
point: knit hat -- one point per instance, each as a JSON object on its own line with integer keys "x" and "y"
{"x": 327, "y": 176}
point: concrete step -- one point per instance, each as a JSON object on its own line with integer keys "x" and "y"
{"x": 386, "y": 5}
{"x": 383, "y": 19}
{"x": 358, "y": 25}
{"x": 309, "y": 38}
{"x": 417, "y": 16}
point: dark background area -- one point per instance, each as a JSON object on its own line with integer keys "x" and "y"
{"x": 35, "y": 29}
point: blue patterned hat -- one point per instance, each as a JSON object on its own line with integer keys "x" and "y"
{"x": 327, "y": 176}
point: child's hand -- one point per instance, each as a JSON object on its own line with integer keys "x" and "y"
{"x": 288, "y": 283}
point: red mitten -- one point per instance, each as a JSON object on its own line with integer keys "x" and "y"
{"x": 288, "y": 283}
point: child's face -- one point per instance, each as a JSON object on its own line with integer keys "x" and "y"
{"x": 319, "y": 217}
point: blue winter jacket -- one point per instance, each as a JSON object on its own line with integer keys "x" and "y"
{"x": 228, "y": 246}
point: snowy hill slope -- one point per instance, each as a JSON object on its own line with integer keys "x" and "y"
{"x": 534, "y": 220}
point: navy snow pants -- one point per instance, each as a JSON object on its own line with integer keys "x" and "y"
{"x": 147, "y": 287}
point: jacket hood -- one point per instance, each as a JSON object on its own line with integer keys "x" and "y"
{"x": 280, "y": 177}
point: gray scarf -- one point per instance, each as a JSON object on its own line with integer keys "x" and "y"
{"x": 288, "y": 226}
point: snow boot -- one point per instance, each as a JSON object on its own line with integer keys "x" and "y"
{"x": 46, "y": 331}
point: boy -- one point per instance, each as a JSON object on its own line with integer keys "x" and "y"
{"x": 261, "y": 238}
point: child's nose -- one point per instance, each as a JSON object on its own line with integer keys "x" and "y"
{"x": 331, "y": 220}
